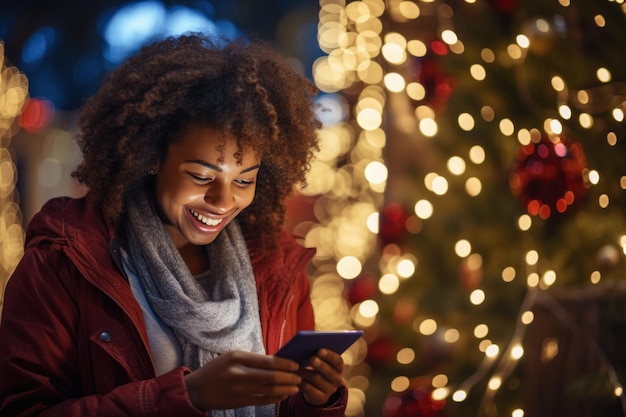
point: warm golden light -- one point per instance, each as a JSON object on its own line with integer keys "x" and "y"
{"x": 507, "y": 128}
{"x": 13, "y": 98}
{"x": 376, "y": 52}
{"x": 495, "y": 383}
{"x": 477, "y": 154}
{"x": 440, "y": 185}
{"x": 389, "y": 284}
{"x": 400, "y": 384}
{"x": 456, "y": 165}
{"x": 428, "y": 127}
{"x": 473, "y": 186}
{"x": 527, "y": 317}
{"x": 424, "y": 209}
{"x": 517, "y": 351}
{"x": 394, "y": 82}
{"x": 478, "y": 72}
{"x": 405, "y": 356}
{"x": 428, "y": 327}
{"x": 477, "y": 297}
{"x": 508, "y": 274}
{"x": 462, "y": 248}
{"x": 349, "y": 267}
{"x": 368, "y": 308}
{"x": 405, "y": 268}
{"x": 459, "y": 396}
{"x": 466, "y": 121}
{"x": 604, "y": 75}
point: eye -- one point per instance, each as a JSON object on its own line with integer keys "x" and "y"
{"x": 199, "y": 179}
{"x": 245, "y": 183}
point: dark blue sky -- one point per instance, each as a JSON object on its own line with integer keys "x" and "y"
{"x": 66, "y": 46}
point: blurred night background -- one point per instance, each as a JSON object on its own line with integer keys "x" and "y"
{"x": 468, "y": 202}
{"x": 66, "y": 46}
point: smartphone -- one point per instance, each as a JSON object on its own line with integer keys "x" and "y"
{"x": 306, "y": 343}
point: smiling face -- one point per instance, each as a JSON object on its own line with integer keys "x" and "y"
{"x": 201, "y": 187}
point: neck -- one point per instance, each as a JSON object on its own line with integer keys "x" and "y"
{"x": 195, "y": 257}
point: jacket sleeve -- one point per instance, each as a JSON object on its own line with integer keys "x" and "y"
{"x": 296, "y": 406}
{"x": 42, "y": 364}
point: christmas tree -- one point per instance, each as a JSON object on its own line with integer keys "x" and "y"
{"x": 489, "y": 137}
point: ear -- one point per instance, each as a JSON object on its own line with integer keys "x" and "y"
{"x": 154, "y": 170}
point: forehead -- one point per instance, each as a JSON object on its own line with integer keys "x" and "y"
{"x": 210, "y": 144}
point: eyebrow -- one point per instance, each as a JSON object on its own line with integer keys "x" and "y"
{"x": 218, "y": 168}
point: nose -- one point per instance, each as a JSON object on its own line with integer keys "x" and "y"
{"x": 220, "y": 198}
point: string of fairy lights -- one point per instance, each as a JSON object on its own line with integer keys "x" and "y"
{"x": 350, "y": 176}
{"x": 13, "y": 94}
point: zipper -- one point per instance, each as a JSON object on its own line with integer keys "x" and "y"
{"x": 281, "y": 336}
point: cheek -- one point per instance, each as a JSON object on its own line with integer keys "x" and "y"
{"x": 248, "y": 197}
{"x": 175, "y": 195}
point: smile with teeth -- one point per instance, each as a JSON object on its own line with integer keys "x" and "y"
{"x": 205, "y": 220}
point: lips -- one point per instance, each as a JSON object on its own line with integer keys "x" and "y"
{"x": 205, "y": 220}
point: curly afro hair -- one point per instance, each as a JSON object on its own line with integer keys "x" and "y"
{"x": 246, "y": 89}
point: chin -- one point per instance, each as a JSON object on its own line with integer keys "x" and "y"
{"x": 204, "y": 241}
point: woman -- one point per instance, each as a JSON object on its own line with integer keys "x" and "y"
{"x": 168, "y": 287}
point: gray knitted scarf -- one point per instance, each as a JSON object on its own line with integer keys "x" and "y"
{"x": 217, "y": 316}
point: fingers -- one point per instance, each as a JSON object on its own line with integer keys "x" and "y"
{"x": 238, "y": 379}
{"x": 258, "y": 386}
{"x": 259, "y": 374}
{"x": 322, "y": 377}
{"x": 331, "y": 358}
{"x": 268, "y": 377}
{"x": 259, "y": 394}
{"x": 262, "y": 369}
{"x": 329, "y": 365}
{"x": 264, "y": 361}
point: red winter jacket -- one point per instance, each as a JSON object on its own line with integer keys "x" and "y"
{"x": 73, "y": 340}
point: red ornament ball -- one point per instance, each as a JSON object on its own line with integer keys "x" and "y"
{"x": 549, "y": 176}
{"x": 429, "y": 73}
{"x": 392, "y": 227}
{"x": 360, "y": 289}
{"x": 380, "y": 352}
